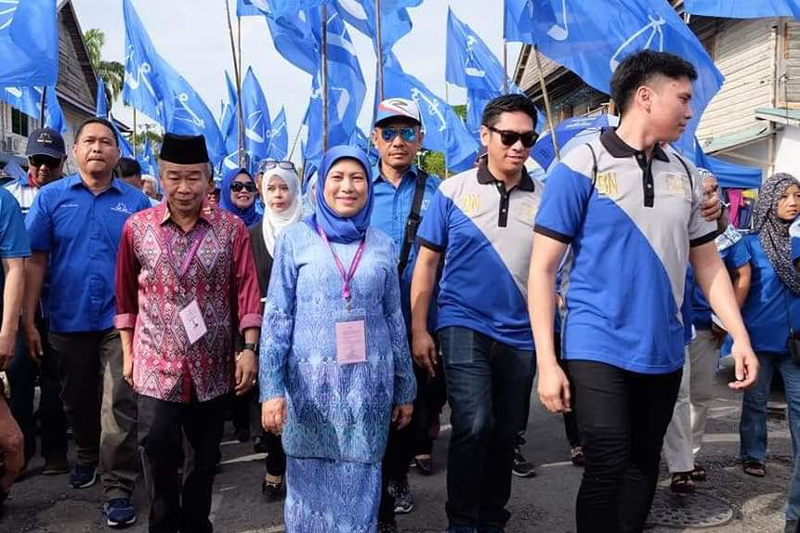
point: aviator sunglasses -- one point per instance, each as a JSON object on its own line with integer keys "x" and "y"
{"x": 510, "y": 138}
{"x": 238, "y": 186}
{"x": 408, "y": 134}
{"x": 271, "y": 163}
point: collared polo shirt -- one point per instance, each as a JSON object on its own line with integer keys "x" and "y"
{"x": 390, "y": 211}
{"x": 13, "y": 237}
{"x": 486, "y": 235}
{"x": 23, "y": 191}
{"x": 630, "y": 235}
{"x": 81, "y": 233}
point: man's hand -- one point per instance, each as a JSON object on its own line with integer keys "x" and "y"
{"x": 423, "y": 350}
{"x": 273, "y": 415}
{"x": 746, "y": 366}
{"x": 33, "y": 341}
{"x": 127, "y": 369}
{"x": 246, "y": 371}
{"x": 553, "y": 389}
{"x": 711, "y": 207}
{"x": 7, "y": 342}
{"x": 401, "y": 415}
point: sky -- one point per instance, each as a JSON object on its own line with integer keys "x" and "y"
{"x": 192, "y": 35}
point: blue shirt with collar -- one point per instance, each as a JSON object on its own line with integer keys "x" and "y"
{"x": 81, "y": 232}
{"x": 390, "y": 213}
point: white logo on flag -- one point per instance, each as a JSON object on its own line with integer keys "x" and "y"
{"x": 473, "y": 71}
{"x": 254, "y": 121}
{"x": 183, "y": 98}
{"x": 556, "y": 32}
{"x": 7, "y": 10}
{"x": 355, "y": 9}
{"x": 432, "y": 106}
{"x": 655, "y": 28}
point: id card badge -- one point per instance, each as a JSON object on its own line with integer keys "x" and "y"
{"x": 351, "y": 337}
{"x": 193, "y": 322}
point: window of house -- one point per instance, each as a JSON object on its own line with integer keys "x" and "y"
{"x": 19, "y": 122}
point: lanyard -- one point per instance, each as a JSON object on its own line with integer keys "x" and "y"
{"x": 348, "y": 277}
{"x": 169, "y": 237}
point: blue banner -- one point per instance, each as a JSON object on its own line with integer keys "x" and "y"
{"x": 743, "y": 9}
{"x": 28, "y": 43}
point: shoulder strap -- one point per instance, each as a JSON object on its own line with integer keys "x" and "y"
{"x": 688, "y": 172}
{"x": 594, "y": 181}
{"x": 412, "y": 222}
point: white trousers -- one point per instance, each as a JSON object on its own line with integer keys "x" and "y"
{"x": 685, "y": 432}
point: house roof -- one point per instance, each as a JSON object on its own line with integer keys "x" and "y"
{"x": 83, "y": 98}
{"x": 734, "y": 140}
{"x": 780, "y": 115}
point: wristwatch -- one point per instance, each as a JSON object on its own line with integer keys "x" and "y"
{"x": 252, "y": 346}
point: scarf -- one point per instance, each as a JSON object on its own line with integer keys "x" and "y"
{"x": 273, "y": 223}
{"x": 773, "y": 232}
{"x": 336, "y": 227}
{"x": 249, "y": 216}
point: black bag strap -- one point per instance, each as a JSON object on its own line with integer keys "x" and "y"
{"x": 413, "y": 221}
{"x": 594, "y": 181}
{"x": 688, "y": 173}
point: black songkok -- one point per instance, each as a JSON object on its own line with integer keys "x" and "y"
{"x": 184, "y": 149}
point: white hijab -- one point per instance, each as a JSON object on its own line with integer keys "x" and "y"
{"x": 273, "y": 223}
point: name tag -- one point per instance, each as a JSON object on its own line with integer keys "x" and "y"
{"x": 193, "y": 322}
{"x": 351, "y": 340}
{"x": 678, "y": 185}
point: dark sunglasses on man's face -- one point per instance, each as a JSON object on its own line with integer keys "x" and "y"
{"x": 238, "y": 186}
{"x": 408, "y": 134}
{"x": 510, "y": 138}
{"x": 39, "y": 160}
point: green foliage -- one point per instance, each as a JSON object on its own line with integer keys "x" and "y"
{"x": 112, "y": 72}
{"x": 432, "y": 162}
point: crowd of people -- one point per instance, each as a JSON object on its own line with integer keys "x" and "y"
{"x": 355, "y": 311}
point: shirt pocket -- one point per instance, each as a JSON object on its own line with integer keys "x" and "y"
{"x": 68, "y": 220}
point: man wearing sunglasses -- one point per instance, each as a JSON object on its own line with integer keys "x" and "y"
{"x": 482, "y": 222}
{"x": 402, "y": 195}
{"x": 46, "y": 156}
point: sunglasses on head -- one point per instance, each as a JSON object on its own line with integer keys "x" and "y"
{"x": 39, "y": 160}
{"x": 271, "y": 163}
{"x": 408, "y": 134}
{"x": 239, "y": 186}
{"x": 510, "y": 138}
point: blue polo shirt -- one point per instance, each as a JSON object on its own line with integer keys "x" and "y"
{"x": 81, "y": 233}
{"x": 13, "y": 237}
{"x": 390, "y": 212}
{"x": 771, "y": 307}
{"x": 733, "y": 257}
{"x": 794, "y": 232}
{"x": 486, "y": 234}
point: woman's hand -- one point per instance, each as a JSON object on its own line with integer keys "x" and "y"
{"x": 401, "y": 415}
{"x": 273, "y": 415}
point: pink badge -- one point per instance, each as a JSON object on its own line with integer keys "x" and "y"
{"x": 351, "y": 342}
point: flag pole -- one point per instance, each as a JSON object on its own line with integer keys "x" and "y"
{"x": 294, "y": 143}
{"x": 546, "y": 98}
{"x": 447, "y": 102}
{"x": 134, "y": 132}
{"x": 238, "y": 77}
{"x": 42, "y": 106}
{"x": 379, "y": 49}
{"x": 505, "y": 54}
{"x": 324, "y": 60}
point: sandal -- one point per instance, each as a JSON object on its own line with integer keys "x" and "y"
{"x": 699, "y": 473}
{"x": 754, "y": 468}
{"x": 682, "y": 483}
{"x": 576, "y": 456}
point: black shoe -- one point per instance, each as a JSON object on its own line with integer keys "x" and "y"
{"x": 521, "y": 466}
{"x": 387, "y": 527}
{"x": 260, "y": 445}
{"x": 403, "y": 499}
{"x": 242, "y": 435}
{"x": 424, "y": 465}
{"x": 271, "y": 490}
{"x": 55, "y": 466}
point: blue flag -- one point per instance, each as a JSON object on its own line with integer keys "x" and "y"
{"x": 280, "y": 8}
{"x": 28, "y": 43}
{"x": 229, "y": 125}
{"x": 279, "y": 138}
{"x": 25, "y": 99}
{"x": 249, "y": 8}
{"x": 517, "y": 21}
{"x": 140, "y": 89}
{"x": 125, "y": 147}
{"x": 743, "y": 9}
{"x": 444, "y": 130}
{"x": 346, "y": 87}
{"x": 295, "y": 39}
{"x": 395, "y": 21}
{"x": 147, "y": 161}
{"x": 470, "y": 63}
{"x": 568, "y": 32}
{"x": 102, "y": 105}
{"x": 729, "y": 175}
{"x": 256, "y": 118}
{"x": 53, "y": 117}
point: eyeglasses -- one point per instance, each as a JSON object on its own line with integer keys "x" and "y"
{"x": 39, "y": 160}
{"x": 239, "y": 186}
{"x": 408, "y": 134}
{"x": 510, "y": 138}
{"x": 269, "y": 164}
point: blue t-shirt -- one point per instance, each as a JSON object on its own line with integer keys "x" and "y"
{"x": 733, "y": 257}
{"x": 81, "y": 233}
{"x": 13, "y": 237}
{"x": 486, "y": 235}
{"x": 771, "y": 307}
{"x": 794, "y": 232}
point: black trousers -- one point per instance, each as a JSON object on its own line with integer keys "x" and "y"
{"x": 276, "y": 457}
{"x": 174, "y": 508}
{"x": 622, "y": 418}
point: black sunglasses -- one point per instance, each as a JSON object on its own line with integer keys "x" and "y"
{"x": 39, "y": 160}
{"x": 510, "y": 138}
{"x": 238, "y": 186}
{"x": 271, "y": 163}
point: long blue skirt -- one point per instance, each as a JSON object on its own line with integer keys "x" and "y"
{"x": 324, "y": 496}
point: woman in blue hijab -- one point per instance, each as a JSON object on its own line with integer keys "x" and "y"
{"x": 335, "y": 368}
{"x": 238, "y": 195}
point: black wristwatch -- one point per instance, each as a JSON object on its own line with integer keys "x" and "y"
{"x": 252, "y": 346}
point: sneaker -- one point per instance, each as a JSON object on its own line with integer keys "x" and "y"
{"x": 387, "y": 527}
{"x": 260, "y": 445}
{"x": 119, "y": 512}
{"x": 424, "y": 464}
{"x": 403, "y": 499}
{"x": 521, "y": 466}
{"x": 55, "y": 467}
{"x": 83, "y": 477}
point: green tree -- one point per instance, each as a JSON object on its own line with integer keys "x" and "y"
{"x": 433, "y": 162}
{"x": 112, "y": 72}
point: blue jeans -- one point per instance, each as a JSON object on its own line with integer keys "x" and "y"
{"x": 753, "y": 424}
{"x": 488, "y": 388}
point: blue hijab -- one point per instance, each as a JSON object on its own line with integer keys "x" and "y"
{"x": 249, "y": 216}
{"x": 336, "y": 227}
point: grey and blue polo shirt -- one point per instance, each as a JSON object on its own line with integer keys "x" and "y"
{"x": 486, "y": 235}
{"x": 630, "y": 233}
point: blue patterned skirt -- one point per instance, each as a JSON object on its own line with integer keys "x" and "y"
{"x": 325, "y": 496}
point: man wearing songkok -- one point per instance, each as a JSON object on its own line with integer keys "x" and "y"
{"x": 185, "y": 278}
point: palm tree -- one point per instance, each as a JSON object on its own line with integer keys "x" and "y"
{"x": 112, "y": 72}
